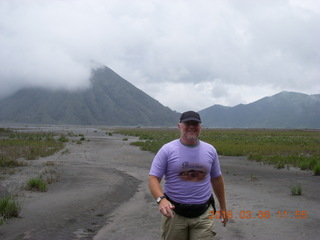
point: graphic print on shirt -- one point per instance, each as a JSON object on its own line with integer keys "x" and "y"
{"x": 194, "y": 172}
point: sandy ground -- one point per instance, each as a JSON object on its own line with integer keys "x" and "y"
{"x": 100, "y": 192}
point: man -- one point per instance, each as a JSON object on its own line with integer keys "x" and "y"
{"x": 191, "y": 169}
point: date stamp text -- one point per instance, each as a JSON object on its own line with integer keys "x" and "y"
{"x": 259, "y": 215}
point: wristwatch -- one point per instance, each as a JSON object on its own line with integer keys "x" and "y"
{"x": 160, "y": 198}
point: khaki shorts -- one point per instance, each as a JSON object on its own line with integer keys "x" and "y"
{"x": 182, "y": 228}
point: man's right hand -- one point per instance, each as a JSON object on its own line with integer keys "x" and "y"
{"x": 166, "y": 207}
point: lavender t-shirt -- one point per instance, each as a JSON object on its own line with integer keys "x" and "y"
{"x": 187, "y": 171}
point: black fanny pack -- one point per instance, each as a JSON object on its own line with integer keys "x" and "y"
{"x": 192, "y": 210}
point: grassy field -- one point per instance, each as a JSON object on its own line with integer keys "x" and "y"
{"x": 282, "y": 148}
{"x": 28, "y": 146}
{"x": 16, "y": 149}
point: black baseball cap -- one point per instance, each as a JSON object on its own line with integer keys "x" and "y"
{"x": 190, "y": 116}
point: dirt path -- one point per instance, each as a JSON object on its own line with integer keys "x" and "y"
{"x": 259, "y": 188}
{"x": 251, "y": 188}
{"x": 88, "y": 189}
{"x": 102, "y": 193}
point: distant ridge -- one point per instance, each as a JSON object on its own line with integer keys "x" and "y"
{"x": 111, "y": 100}
{"x": 283, "y": 110}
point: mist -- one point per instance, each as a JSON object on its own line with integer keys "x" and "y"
{"x": 218, "y": 52}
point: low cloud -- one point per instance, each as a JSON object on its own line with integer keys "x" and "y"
{"x": 220, "y": 52}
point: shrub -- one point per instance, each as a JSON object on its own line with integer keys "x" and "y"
{"x": 316, "y": 169}
{"x": 71, "y": 134}
{"x": 63, "y": 139}
{"x": 6, "y": 162}
{"x": 279, "y": 165}
{"x": 296, "y": 189}
{"x": 312, "y": 163}
{"x": 66, "y": 151}
{"x": 9, "y": 207}
{"x": 37, "y": 184}
{"x": 253, "y": 178}
{"x": 303, "y": 165}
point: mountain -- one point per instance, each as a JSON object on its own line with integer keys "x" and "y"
{"x": 283, "y": 110}
{"x": 111, "y": 100}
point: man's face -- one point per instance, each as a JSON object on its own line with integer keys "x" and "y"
{"x": 189, "y": 131}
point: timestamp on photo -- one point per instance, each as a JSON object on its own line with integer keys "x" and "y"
{"x": 259, "y": 214}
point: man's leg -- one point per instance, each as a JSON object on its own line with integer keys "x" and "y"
{"x": 175, "y": 228}
{"x": 202, "y": 227}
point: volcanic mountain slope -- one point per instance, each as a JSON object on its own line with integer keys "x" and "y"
{"x": 111, "y": 100}
{"x": 283, "y": 110}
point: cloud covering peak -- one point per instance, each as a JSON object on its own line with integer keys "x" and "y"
{"x": 186, "y": 54}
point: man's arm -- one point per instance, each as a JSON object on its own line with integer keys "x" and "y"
{"x": 165, "y": 206}
{"x": 218, "y": 188}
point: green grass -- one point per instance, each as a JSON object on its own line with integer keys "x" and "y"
{"x": 296, "y": 189}
{"x": 37, "y": 184}
{"x": 9, "y": 207}
{"x": 63, "y": 139}
{"x": 30, "y": 146}
{"x": 316, "y": 169}
{"x": 298, "y": 148}
{"x": 10, "y": 163}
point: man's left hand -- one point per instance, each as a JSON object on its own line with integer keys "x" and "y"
{"x": 224, "y": 217}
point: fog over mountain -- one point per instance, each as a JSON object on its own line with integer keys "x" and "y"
{"x": 111, "y": 100}
{"x": 226, "y": 52}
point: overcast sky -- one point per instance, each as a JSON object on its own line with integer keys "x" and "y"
{"x": 187, "y": 54}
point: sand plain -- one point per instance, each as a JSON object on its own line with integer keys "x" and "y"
{"x": 101, "y": 193}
